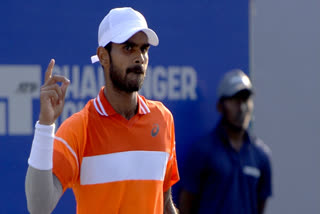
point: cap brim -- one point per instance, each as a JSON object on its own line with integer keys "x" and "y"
{"x": 152, "y": 36}
{"x": 152, "y": 39}
{"x": 237, "y": 89}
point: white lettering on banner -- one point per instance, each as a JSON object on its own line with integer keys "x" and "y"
{"x": 83, "y": 85}
{"x": 70, "y": 107}
{"x": 88, "y": 84}
{"x": 159, "y": 88}
{"x": 2, "y": 118}
{"x": 80, "y": 88}
{"x": 188, "y": 83}
{"x": 21, "y": 85}
{"x": 174, "y": 83}
{"x": 73, "y": 74}
{"x": 173, "y": 93}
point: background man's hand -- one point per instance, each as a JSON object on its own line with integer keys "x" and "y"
{"x": 52, "y": 96}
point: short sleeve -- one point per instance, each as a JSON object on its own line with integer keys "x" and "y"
{"x": 265, "y": 181}
{"x": 172, "y": 173}
{"x": 67, "y": 150}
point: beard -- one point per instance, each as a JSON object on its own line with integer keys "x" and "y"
{"x": 231, "y": 126}
{"x": 124, "y": 83}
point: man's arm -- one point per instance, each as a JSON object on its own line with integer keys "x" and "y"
{"x": 43, "y": 190}
{"x": 168, "y": 206}
{"x": 261, "y": 206}
{"x": 264, "y": 189}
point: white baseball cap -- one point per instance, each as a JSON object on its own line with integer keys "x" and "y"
{"x": 233, "y": 82}
{"x": 120, "y": 24}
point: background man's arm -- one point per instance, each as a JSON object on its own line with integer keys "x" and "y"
{"x": 261, "y": 206}
{"x": 187, "y": 202}
{"x": 43, "y": 190}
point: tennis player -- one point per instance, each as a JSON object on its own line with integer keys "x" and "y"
{"x": 118, "y": 153}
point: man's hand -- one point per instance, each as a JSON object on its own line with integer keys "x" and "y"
{"x": 52, "y": 96}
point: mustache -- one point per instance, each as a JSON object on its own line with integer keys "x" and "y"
{"x": 137, "y": 69}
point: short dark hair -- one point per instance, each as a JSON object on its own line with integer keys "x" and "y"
{"x": 108, "y": 47}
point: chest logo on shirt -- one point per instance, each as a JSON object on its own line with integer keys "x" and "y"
{"x": 252, "y": 171}
{"x": 155, "y": 130}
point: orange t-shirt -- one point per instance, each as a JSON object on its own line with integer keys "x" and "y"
{"x": 116, "y": 165}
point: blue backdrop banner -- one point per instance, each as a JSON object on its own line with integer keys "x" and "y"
{"x": 199, "y": 42}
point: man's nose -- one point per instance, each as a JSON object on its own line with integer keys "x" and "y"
{"x": 139, "y": 58}
{"x": 243, "y": 106}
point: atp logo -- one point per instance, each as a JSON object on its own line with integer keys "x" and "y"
{"x": 155, "y": 130}
{"x": 19, "y": 86}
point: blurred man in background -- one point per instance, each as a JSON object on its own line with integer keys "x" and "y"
{"x": 228, "y": 171}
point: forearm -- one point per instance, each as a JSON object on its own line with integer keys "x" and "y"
{"x": 170, "y": 208}
{"x": 168, "y": 205}
{"x": 43, "y": 190}
{"x": 261, "y": 206}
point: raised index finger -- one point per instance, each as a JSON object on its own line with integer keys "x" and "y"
{"x": 57, "y": 78}
{"x": 48, "y": 73}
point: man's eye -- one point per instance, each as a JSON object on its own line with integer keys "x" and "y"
{"x": 144, "y": 50}
{"x": 128, "y": 47}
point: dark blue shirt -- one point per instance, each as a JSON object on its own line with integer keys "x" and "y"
{"x": 227, "y": 181}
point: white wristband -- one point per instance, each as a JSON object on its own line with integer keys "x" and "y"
{"x": 42, "y": 147}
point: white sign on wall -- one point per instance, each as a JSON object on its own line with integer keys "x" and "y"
{"x": 20, "y": 86}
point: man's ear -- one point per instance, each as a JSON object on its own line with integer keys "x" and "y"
{"x": 104, "y": 58}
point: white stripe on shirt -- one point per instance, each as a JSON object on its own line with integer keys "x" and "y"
{"x": 68, "y": 147}
{"x": 144, "y": 105}
{"x": 121, "y": 166}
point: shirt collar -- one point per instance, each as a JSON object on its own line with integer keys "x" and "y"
{"x": 221, "y": 132}
{"x": 104, "y": 108}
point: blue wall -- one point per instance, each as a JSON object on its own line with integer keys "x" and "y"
{"x": 199, "y": 41}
